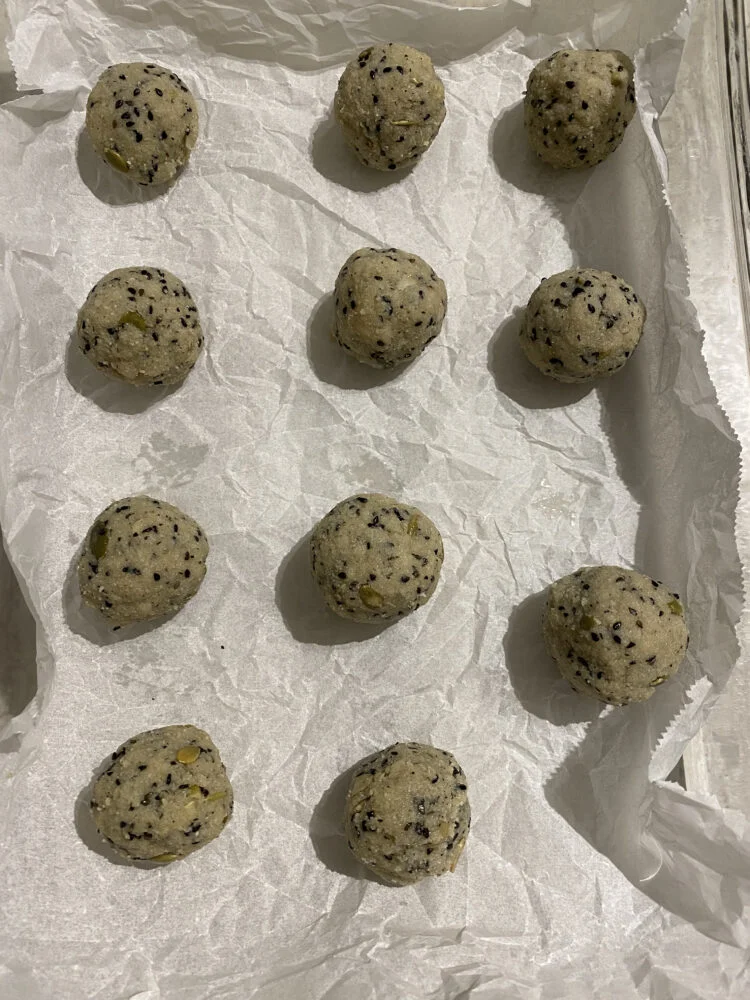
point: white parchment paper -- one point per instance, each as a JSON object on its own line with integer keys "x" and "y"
{"x": 578, "y": 848}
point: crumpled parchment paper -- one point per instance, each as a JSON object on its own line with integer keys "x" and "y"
{"x": 580, "y": 854}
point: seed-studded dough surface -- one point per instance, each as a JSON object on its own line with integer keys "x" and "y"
{"x": 578, "y": 104}
{"x": 407, "y": 812}
{"x": 143, "y": 121}
{"x": 582, "y": 324}
{"x": 390, "y": 104}
{"x": 143, "y": 558}
{"x": 615, "y": 634}
{"x": 375, "y": 559}
{"x": 165, "y": 794}
{"x": 140, "y": 325}
{"x": 389, "y": 305}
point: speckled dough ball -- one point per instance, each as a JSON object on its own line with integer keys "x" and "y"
{"x": 615, "y": 634}
{"x": 389, "y": 305}
{"x": 143, "y": 121}
{"x": 165, "y": 794}
{"x": 375, "y": 559}
{"x": 582, "y": 324}
{"x": 390, "y": 105}
{"x": 140, "y": 325}
{"x": 142, "y": 559}
{"x": 407, "y": 813}
{"x": 578, "y": 104}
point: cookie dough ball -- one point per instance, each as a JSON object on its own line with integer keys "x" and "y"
{"x": 389, "y": 305}
{"x": 407, "y": 813}
{"x": 375, "y": 559}
{"x": 142, "y": 559}
{"x": 615, "y": 634}
{"x": 582, "y": 324}
{"x": 390, "y": 105}
{"x": 578, "y": 104}
{"x": 140, "y": 325}
{"x": 165, "y": 794}
{"x": 143, "y": 121}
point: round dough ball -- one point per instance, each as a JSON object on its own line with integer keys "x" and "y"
{"x": 615, "y": 634}
{"x": 165, "y": 794}
{"x": 578, "y": 104}
{"x": 142, "y": 559}
{"x": 389, "y": 305}
{"x": 390, "y": 105}
{"x": 143, "y": 121}
{"x": 407, "y": 813}
{"x": 375, "y": 559}
{"x": 582, "y": 324}
{"x": 140, "y": 325}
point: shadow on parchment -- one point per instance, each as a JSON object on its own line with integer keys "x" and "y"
{"x": 535, "y": 678}
{"x": 516, "y": 377}
{"x": 109, "y": 185}
{"x": 327, "y": 830}
{"x": 18, "y": 671}
{"x": 110, "y": 394}
{"x": 89, "y": 623}
{"x": 305, "y": 613}
{"x": 333, "y": 160}
{"x": 330, "y": 361}
{"x": 87, "y": 831}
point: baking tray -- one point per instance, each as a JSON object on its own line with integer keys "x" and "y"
{"x": 28, "y": 689}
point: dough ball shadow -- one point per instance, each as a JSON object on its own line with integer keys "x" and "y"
{"x": 333, "y": 160}
{"x": 518, "y": 379}
{"x": 327, "y": 831}
{"x": 305, "y": 613}
{"x": 108, "y": 184}
{"x": 329, "y": 360}
{"x": 533, "y": 674}
{"x": 517, "y": 163}
{"x": 110, "y": 394}
{"x": 18, "y": 670}
{"x": 87, "y": 831}
{"x": 89, "y": 623}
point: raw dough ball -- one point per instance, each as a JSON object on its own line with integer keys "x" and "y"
{"x": 165, "y": 794}
{"x": 615, "y": 634}
{"x": 407, "y": 813}
{"x": 390, "y": 105}
{"x": 578, "y": 104}
{"x": 143, "y": 121}
{"x": 140, "y": 325}
{"x": 142, "y": 559}
{"x": 375, "y": 559}
{"x": 389, "y": 306}
{"x": 582, "y": 324}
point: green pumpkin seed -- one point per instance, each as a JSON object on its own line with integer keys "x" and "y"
{"x": 135, "y": 319}
{"x": 99, "y": 541}
{"x": 370, "y": 597}
{"x": 115, "y": 160}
